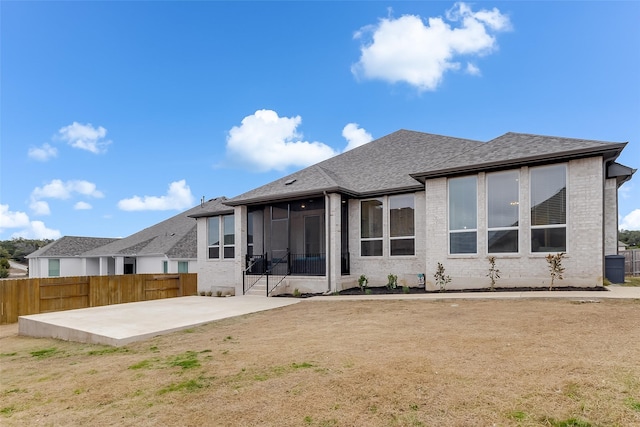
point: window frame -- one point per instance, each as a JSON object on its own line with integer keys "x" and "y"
{"x": 516, "y": 228}
{"x": 225, "y": 245}
{"x": 221, "y": 247}
{"x": 549, "y": 226}
{"x": 411, "y": 237}
{"x": 183, "y": 265}
{"x": 375, "y": 238}
{"x": 49, "y": 270}
{"x": 450, "y": 230}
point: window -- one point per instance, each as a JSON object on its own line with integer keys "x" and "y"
{"x": 229, "y": 236}
{"x": 371, "y": 227}
{"x": 54, "y": 268}
{"x": 165, "y": 267}
{"x": 213, "y": 243}
{"x": 183, "y": 266}
{"x": 402, "y": 225}
{"x": 463, "y": 215}
{"x": 221, "y": 226}
{"x": 503, "y": 212}
{"x": 549, "y": 208}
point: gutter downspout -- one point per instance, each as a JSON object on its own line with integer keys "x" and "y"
{"x": 327, "y": 238}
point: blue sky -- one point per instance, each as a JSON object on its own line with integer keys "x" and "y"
{"x": 117, "y": 115}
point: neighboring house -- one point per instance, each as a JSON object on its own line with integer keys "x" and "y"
{"x": 63, "y": 257}
{"x": 622, "y": 246}
{"x": 410, "y": 200}
{"x": 167, "y": 247}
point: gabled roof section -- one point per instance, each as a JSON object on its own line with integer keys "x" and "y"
{"x": 173, "y": 237}
{"x": 518, "y": 149}
{"x": 379, "y": 167}
{"x": 69, "y": 246}
{"x": 212, "y": 207}
{"x": 620, "y": 172}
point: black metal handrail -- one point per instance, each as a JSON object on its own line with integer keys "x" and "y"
{"x": 256, "y": 266}
{"x": 275, "y": 270}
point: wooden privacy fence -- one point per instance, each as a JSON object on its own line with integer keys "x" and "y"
{"x": 20, "y": 297}
{"x": 631, "y": 262}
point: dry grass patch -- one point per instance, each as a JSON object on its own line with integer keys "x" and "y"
{"x": 346, "y": 363}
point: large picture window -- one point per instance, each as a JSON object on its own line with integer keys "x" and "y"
{"x": 371, "y": 227}
{"x": 549, "y": 208}
{"x": 503, "y": 212}
{"x": 402, "y": 225}
{"x": 463, "y": 215}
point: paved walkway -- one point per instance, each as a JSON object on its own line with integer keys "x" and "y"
{"x": 122, "y": 324}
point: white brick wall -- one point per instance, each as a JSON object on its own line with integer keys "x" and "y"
{"x": 584, "y": 259}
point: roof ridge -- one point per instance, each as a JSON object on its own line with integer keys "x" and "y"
{"x": 566, "y": 138}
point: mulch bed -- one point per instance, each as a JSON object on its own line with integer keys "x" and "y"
{"x": 383, "y": 290}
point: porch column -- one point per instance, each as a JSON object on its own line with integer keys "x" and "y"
{"x": 240, "y": 225}
{"x": 334, "y": 239}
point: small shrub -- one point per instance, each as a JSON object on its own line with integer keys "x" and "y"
{"x": 4, "y": 273}
{"x": 296, "y": 293}
{"x": 392, "y": 281}
{"x": 209, "y": 293}
{"x": 406, "y": 289}
{"x": 555, "y": 267}
{"x": 494, "y": 273}
{"x": 218, "y": 294}
{"x": 442, "y": 280}
{"x": 362, "y": 282}
{"x": 202, "y": 293}
{"x": 368, "y": 292}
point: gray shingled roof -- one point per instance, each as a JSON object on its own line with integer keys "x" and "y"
{"x": 174, "y": 237}
{"x": 211, "y": 208}
{"x": 515, "y": 149}
{"x": 379, "y": 167}
{"x": 69, "y": 246}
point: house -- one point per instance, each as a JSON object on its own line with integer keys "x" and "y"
{"x": 405, "y": 202}
{"x": 63, "y": 257}
{"x": 166, "y": 247}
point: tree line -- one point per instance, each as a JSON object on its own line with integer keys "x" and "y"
{"x": 17, "y": 249}
{"x": 631, "y": 238}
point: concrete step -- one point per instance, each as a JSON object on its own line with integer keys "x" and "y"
{"x": 259, "y": 288}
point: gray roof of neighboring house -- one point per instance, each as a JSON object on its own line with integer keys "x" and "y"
{"x": 403, "y": 160}
{"x": 69, "y": 246}
{"x": 174, "y": 237}
{"x": 379, "y": 167}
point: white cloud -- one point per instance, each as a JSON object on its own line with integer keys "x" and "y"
{"x": 178, "y": 197}
{"x": 409, "y": 50}
{"x": 355, "y": 136}
{"x": 631, "y": 221}
{"x": 39, "y": 207}
{"x": 264, "y": 141}
{"x": 10, "y": 219}
{"x": 81, "y": 206}
{"x": 58, "y": 189}
{"x": 37, "y": 230}
{"x": 472, "y": 69}
{"x": 85, "y": 137}
{"x": 43, "y": 153}
{"x": 29, "y": 229}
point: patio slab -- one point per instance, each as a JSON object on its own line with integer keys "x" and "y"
{"x": 121, "y": 324}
